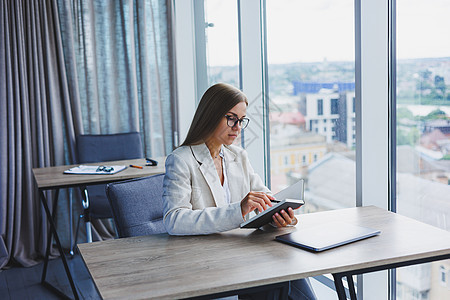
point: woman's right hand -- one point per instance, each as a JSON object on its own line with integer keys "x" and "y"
{"x": 255, "y": 200}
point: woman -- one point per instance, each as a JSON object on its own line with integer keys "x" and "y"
{"x": 210, "y": 185}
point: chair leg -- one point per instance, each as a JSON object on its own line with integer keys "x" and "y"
{"x": 87, "y": 218}
{"x": 70, "y": 222}
{"x": 115, "y": 229}
{"x": 77, "y": 230}
{"x": 88, "y": 232}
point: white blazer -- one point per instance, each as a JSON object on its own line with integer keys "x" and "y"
{"x": 194, "y": 200}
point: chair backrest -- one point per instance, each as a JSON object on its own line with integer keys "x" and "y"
{"x": 94, "y": 148}
{"x": 137, "y": 205}
{"x": 107, "y": 147}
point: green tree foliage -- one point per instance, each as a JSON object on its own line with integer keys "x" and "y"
{"x": 402, "y": 138}
{"x": 408, "y": 137}
{"x": 435, "y": 114}
{"x": 439, "y": 84}
{"x": 404, "y": 113}
{"x": 425, "y": 74}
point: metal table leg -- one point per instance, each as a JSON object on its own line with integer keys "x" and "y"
{"x": 49, "y": 238}
{"x": 60, "y": 249}
{"x": 340, "y": 289}
{"x": 351, "y": 286}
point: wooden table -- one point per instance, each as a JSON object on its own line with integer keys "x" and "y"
{"x": 53, "y": 178}
{"x": 173, "y": 267}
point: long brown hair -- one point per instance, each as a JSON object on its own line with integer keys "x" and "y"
{"x": 215, "y": 103}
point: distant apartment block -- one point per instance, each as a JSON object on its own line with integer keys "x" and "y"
{"x": 296, "y": 152}
{"x": 328, "y": 109}
{"x": 292, "y": 148}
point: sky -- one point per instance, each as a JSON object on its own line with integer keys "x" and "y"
{"x": 311, "y": 31}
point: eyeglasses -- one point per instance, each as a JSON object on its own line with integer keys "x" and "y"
{"x": 105, "y": 169}
{"x": 233, "y": 120}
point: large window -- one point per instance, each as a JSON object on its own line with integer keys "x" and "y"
{"x": 335, "y": 106}
{"x": 320, "y": 107}
{"x": 311, "y": 71}
{"x": 311, "y": 60}
{"x": 423, "y": 133}
{"x": 222, "y": 43}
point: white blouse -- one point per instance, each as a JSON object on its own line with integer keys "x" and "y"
{"x": 225, "y": 186}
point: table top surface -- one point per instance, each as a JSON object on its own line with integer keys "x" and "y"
{"x": 169, "y": 267}
{"x": 54, "y": 177}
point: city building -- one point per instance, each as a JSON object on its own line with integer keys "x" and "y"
{"x": 330, "y": 187}
{"x": 292, "y": 150}
{"x": 329, "y": 109}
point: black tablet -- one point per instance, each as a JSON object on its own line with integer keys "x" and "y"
{"x": 266, "y": 216}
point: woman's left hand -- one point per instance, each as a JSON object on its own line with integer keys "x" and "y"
{"x": 284, "y": 218}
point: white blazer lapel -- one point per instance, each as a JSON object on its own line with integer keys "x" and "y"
{"x": 208, "y": 170}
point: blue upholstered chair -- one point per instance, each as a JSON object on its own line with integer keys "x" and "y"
{"x": 94, "y": 148}
{"x": 137, "y": 205}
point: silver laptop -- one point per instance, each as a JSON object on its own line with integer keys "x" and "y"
{"x": 327, "y": 236}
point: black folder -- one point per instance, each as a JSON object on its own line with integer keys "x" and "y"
{"x": 326, "y": 236}
{"x": 291, "y": 196}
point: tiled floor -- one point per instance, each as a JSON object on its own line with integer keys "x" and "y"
{"x": 25, "y": 283}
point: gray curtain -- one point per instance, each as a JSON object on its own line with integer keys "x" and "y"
{"x": 69, "y": 68}
{"x": 119, "y": 58}
{"x": 37, "y": 121}
{"x": 119, "y": 53}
